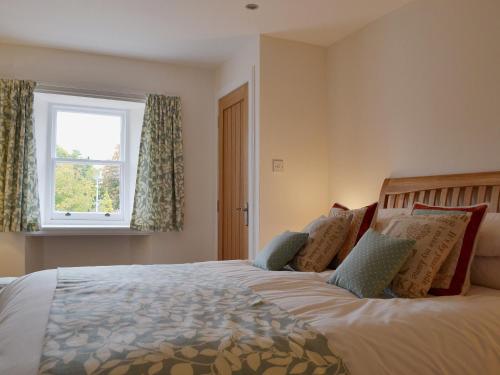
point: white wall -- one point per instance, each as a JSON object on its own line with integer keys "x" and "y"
{"x": 415, "y": 93}
{"x": 97, "y": 72}
{"x": 293, "y": 127}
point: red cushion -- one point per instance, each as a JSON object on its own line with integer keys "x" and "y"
{"x": 340, "y": 206}
{"x": 458, "y": 280}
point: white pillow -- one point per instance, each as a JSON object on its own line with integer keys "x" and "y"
{"x": 485, "y": 271}
{"x": 488, "y": 237}
{"x": 385, "y": 215}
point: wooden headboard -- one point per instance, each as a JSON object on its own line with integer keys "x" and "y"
{"x": 447, "y": 190}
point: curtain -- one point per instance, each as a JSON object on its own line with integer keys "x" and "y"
{"x": 159, "y": 190}
{"x": 19, "y": 204}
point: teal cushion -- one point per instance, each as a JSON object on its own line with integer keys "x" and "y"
{"x": 280, "y": 251}
{"x": 436, "y": 212}
{"x": 372, "y": 264}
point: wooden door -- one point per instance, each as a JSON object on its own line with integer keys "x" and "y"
{"x": 232, "y": 206}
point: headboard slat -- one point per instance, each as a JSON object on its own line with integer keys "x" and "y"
{"x": 432, "y": 196}
{"x": 468, "y": 196}
{"x": 445, "y": 190}
{"x": 455, "y": 196}
{"x": 495, "y": 197}
{"x": 401, "y": 200}
{"x": 481, "y": 194}
{"x": 411, "y": 198}
{"x": 443, "y": 197}
{"x": 390, "y": 201}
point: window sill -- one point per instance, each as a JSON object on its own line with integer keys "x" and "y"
{"x": 87, "y": 230}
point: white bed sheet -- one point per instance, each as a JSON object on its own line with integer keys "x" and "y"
{"x": 438, "y": 335}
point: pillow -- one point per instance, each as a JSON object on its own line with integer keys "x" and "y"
{"x": 308, "y": 226}
{"x": 485, "y": 271}
{"x": 280, "y": 251}
{"x": 385, "y": 215}
{"x": 435, "y": 236}
{"x": 443, "y": 277}
{"x": 488, "y": 237}
{"x": 361, "y": 221}
{"x": 326, "y": 236}
{"x": 454, "y": 278}
{"x": 372, "y": 264}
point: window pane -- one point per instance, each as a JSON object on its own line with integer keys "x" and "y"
{"x": 88, "y": 136}
{"x": 79, "y": 185}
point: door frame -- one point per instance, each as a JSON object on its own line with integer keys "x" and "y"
{"x": 253, "y": 162}
{"x": 231, "y": 99}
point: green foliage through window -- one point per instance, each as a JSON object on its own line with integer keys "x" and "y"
{"x": 77, "y": 185}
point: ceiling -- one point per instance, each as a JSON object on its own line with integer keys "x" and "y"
{"x": 197, "y": 32}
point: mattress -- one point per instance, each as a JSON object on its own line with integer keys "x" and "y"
{"x": 445, "y": 335}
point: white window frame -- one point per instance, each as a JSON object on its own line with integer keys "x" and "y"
{"x": 54, "y": 217}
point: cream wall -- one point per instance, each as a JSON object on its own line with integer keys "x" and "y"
{"x": 11, "y": 254}
{"x": 293, "y": 127}
{"x": 98, "y": 72}
{"x": 239, "y": 69}
{"x": 415, "y": 93}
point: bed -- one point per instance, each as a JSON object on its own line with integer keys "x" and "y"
{"x": 230, "y": 317}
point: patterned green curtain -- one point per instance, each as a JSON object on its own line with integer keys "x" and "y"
{"x": 159, "y": 190}
{"x": 19, "y": 204}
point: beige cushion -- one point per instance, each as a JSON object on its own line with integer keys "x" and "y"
{"x": 454, "y": 276}
{"x": 486, "y": 272}
{"x": 326, "y": 236}
{"x": 435, "y": 236}
{"x": 308, "y": 226}
{"x": 488, "y": 237}
{"x": 385, "y": 215}
{"x": 357, "y": 219}
{"x": 445, "y": 274}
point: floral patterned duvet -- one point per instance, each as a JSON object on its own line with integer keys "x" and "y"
{"x": 174, "y": 319}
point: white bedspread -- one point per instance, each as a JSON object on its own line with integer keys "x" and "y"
{"x": 439, "y": 335}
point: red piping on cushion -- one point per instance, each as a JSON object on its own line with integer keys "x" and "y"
{"x": 340, "y": 207}
{"x": 367, "y": 220}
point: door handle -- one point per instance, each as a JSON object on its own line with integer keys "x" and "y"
{"x": 245, "y": 212}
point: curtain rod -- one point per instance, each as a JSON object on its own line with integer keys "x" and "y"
{"x": 64, "y": 90}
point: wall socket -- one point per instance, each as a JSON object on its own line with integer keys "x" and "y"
{"x": 278, "y": 165}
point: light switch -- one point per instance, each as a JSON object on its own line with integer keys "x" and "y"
{"x": 278, "y": 165}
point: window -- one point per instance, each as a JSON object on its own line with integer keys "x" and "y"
{"x": 87, "y": 165}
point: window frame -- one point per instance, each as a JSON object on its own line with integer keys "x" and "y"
{"x": 54, "y": 217}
